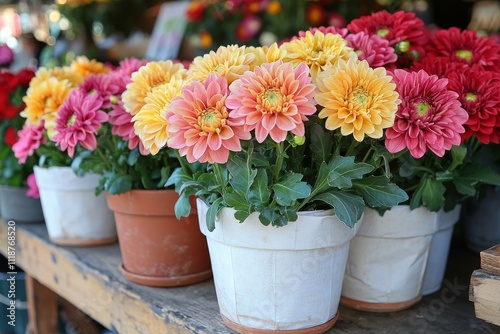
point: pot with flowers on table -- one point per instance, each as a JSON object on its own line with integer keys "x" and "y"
{"x": 157, "y": 248}
{"x": 400, "y": 253}
{"x": 284, "y": 176}
{"x": 73, "y": 214}
{"x": 19, "y": 199}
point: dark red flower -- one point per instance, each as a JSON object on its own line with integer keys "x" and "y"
{"x": 479, "y": 94}
{"x": 195, "y": 11}
{"x": 440, "y": 66}
{"x": 10, "y": 137}
{"x": 25, "y": 76}
{"x": 465, "y": 47}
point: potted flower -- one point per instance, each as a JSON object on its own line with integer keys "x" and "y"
{"x": 157, "y": 248}
{"x": 73, "y": 214}
{"x": 279, "y": 148}
{"x": 434, "y": 161}
{"x": 19, "y": 199}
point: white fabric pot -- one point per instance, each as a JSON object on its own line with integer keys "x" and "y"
{"x": 285, "y": 278}
{"x": 439, "y": 250}
{"x": 387, "y": 259}
{"x": 72, "y": 212}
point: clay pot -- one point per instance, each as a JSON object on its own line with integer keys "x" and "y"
{"x": 157, "y": 248}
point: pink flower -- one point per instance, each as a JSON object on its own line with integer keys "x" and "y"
{"x": 103, "y": 86}
{"x": 199, "y": 125}
{"x": 130, "y": 65}
{"x": 30, "y": 138}
{"x": 78, "y": 121}
{"x": 123, "y": 127}
{"x": 32, "y": 187}
{"x": 429, "y": 117}
{"x": 374, "y": 49}
{"x": 273, "y": 99}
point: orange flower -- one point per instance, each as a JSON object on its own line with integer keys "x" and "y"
{"x": 85, "y": 67}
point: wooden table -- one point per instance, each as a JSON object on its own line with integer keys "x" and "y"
{"x": 89, "y": 279}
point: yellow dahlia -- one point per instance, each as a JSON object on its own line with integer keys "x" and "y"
{"x": 357, "y": 99}
{"x": 318, "y": 50}
{"x": 43, "y": 101}
{"x": 60, "y": 73}
{"x": 149, "y": 76}
{"x": 150, "y": 123}
{"x": 265, "y": 54}
{"x": 85, "y": 67}
{"x": 231, "y": 62}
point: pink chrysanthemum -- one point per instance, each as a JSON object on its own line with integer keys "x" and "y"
{"x": 429, "y": 117}
{"x": 122, "y": 126}
{"x": 32, "y": 187}
{"x": 479, "y": 93}
{"x": 30, "y": 138}
{"x": 274, "y": 99}
{"x": 327, "y": 30}
{"x": 372, "y": 48}
{"x": 200, "y": 125}
{"x": 130, "y": 65}
{"x": 78, "y": 121}
{"x": 405, "y": 32}
{"x": 440, "y": 66}
{"x": 103, "y": 86}
{"x": 465, "y": 47}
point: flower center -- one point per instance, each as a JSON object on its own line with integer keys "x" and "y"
{"x": 272, "y": 100}
{"x": 383, "y": 32}
{"x": 464, "y": 54}
{"x": 422, "y": 108}
{"x": 210, "y": 120}
{"x": 471, "y": 97}
{"x": 359, "y": 52}
{"x": 71, "y": 120}
{"x": 403, "y": 46}
{"x": 219, "y": 68}
{"x": 359, "y": 99}
{"x": 114, "y": 99}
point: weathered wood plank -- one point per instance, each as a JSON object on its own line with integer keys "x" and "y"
{"x": 490, "y": 259}
{"x": 42, "y": 307}
{"x": 90, "y": 279}
{"x": 485, "y": 293}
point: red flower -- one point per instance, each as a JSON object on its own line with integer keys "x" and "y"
{"x": 25, "y": 77}
{"x": 10, "y": 137}
{"x": 248, "y": 28}
{"x": 465, "y": 47}
{"x": 9, "y": 111}
{"x": 315, "y": 14}
{"x": 195, "y": 11}
{"x": 440, "y": 66}
{"x": 479, "y": 94}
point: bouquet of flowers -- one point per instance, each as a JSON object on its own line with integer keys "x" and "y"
{"x": 12, "y": 90}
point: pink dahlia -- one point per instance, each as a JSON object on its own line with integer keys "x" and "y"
{"x": 101, "y": 85}
{"x": 273, "y": 99}
{"x": 465, "y": 47}
{"x": 199, "y": 125}
{"x": 429, "y": 117}
{"x": 440, "y": 66}
{"x": 479, "y": 93}
{"x": 32, "y": 187}
{"x": 130, "y": 65}
{"x": 30, "y": 138}
{"x": 372, "y": 48}
{"x": 327, "y": 30}
{"x": 122, "y": 126}
{"x": 78, "y": 120}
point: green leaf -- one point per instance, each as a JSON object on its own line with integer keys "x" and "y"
{"x": 118, "y": 184}
{"x": 177, "y": 178}
{"x": 321, "y": 144}
{"x": 291, "y": 189}
{"x": 241, "y": 216}
{"x": 445, "y": 176}
{"x": 182, "y": 207}
{"x": 416, "y": 199}
{"x": 133, "y": 157}
{"x": 379, "y": 193}
{"x": 236, "y": 200}
{"x": 342, "y": 170}
{"x": 348, "y": 207}
{"x": 433, "y": 194}
{"x": 212, "y": 212}
{"x": 464, "y": 186}
{"x": 480, "y": 174}
{"x": 458, "y": 154}
{"x": 259, "y": 192}
{"x": 242, "y": 175}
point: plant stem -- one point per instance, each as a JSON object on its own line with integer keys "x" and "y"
{"x": 103, "y": 157}
{"x": 350, "y": 150}
{"x": 367, "y": 154}
{"x": 220, "y": 178}
{"x": 279, "y": 160}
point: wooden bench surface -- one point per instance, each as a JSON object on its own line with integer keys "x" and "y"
{"x": 89, "y": 278}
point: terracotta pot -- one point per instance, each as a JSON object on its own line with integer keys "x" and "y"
{"x": 157, "y": 248}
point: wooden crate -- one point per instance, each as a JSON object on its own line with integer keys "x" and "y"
{"x": 485, "y": 286}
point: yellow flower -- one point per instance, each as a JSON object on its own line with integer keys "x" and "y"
{"x": 357, "y": 99}
{"x": 43, "y": 101}
{"x": 150, "y": 123}
{"x": 85, "y": 67}
{"x": 60, "y": 73}
{"x": 230, "y": 61}
{"x": 318, "y": 50}
{"x": 265, "y": 54}
{"x": 148, "y": 77}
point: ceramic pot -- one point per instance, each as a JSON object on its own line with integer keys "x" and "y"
{"x": 16, "y": 206}
{"x": 387, "y": 259}
{"x": 157, "y": 248}
{"x": 278, "y": 280}
{"x": 439, "y": 250}
{"x": 74, "y": 216}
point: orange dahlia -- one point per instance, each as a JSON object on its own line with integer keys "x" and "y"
{"x": 85, "y": 67}
{"x": 357, "y": 99}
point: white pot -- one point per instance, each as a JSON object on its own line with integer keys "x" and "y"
{"x": 387, "y": 259}
{"x": 286, "y": 278}
{"x": 72, "y": 212}
{"x": 439, "y": 250}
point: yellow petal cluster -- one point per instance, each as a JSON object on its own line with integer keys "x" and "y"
{"x": 85, "y": 67}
